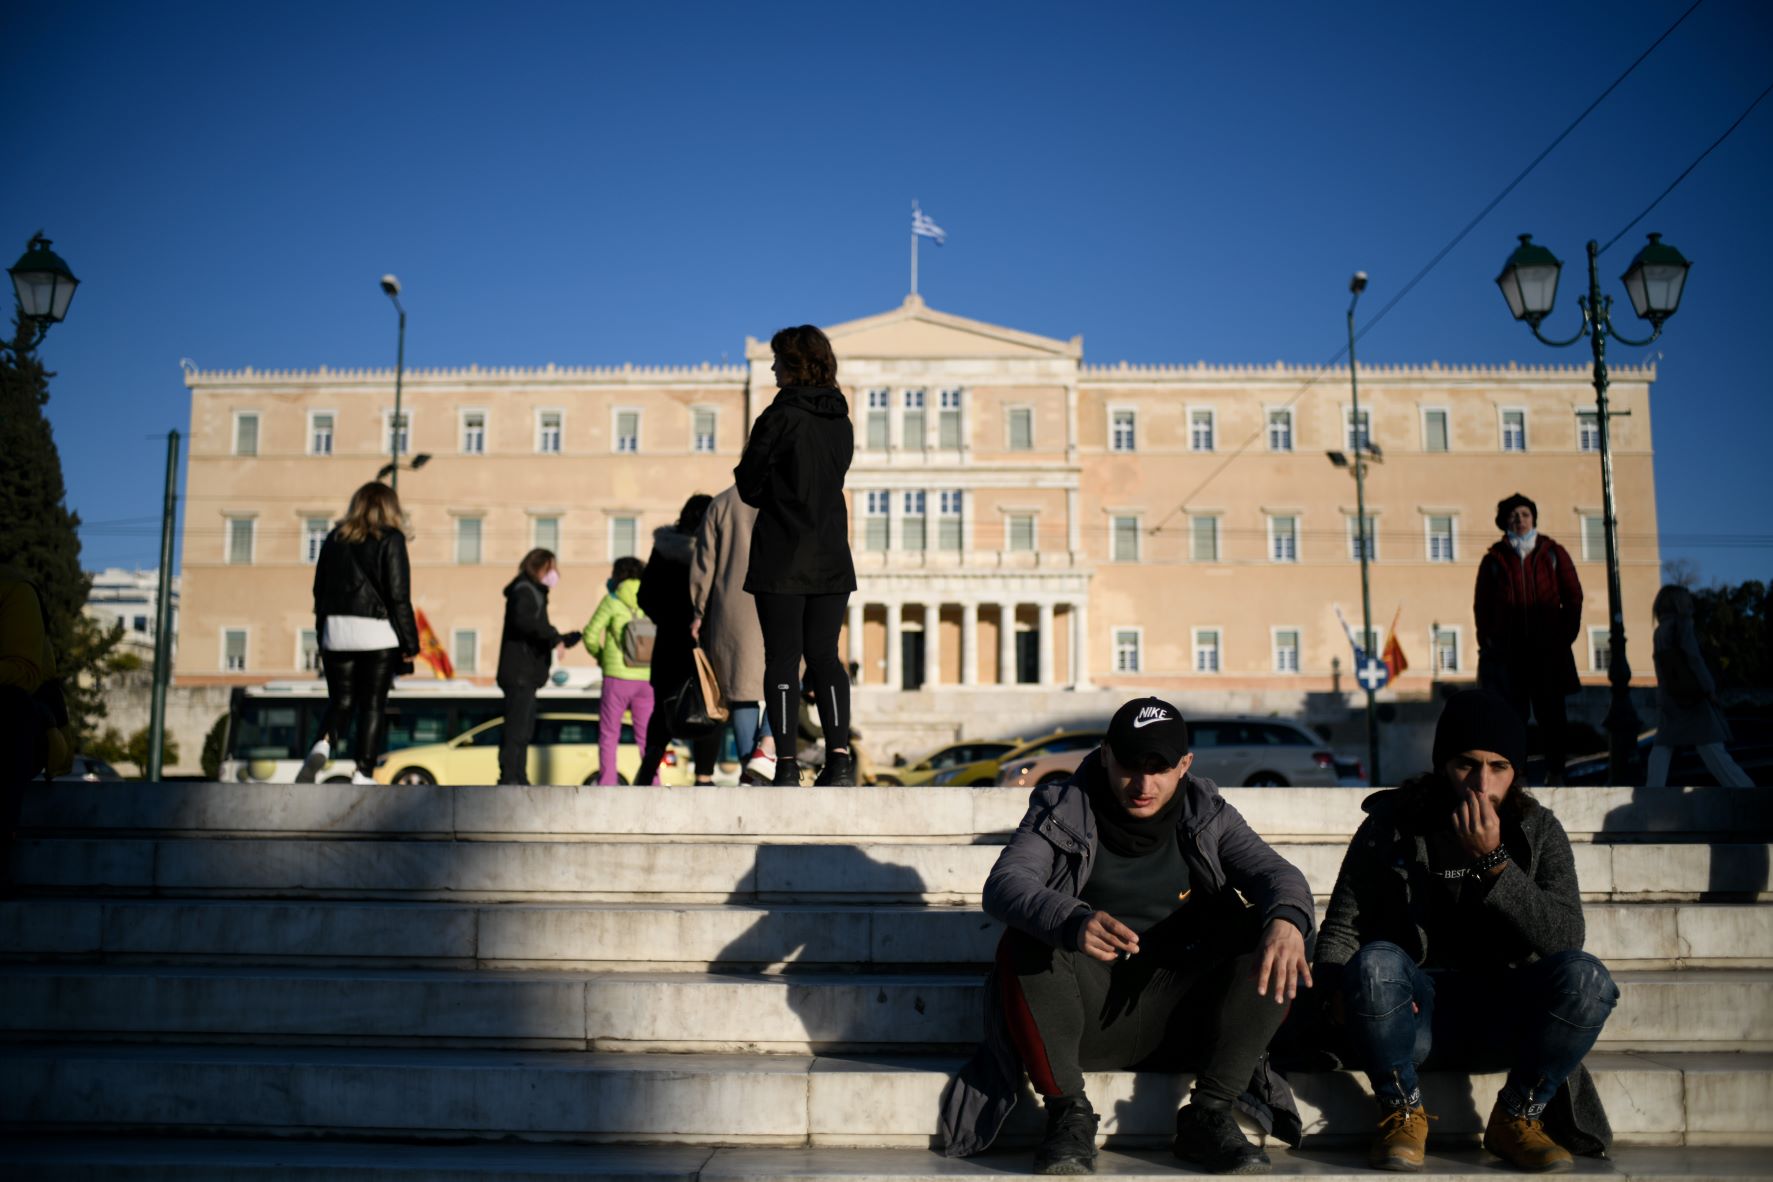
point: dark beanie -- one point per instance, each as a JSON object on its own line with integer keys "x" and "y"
{"x": 1478, "y": 720}
{"x": 1509, "y": 504}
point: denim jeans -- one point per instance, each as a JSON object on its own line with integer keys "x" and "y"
{"x": 1536, "y": 1021}
{"x": 750, "y": 725}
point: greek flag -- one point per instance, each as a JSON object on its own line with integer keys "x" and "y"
{"x": 924, "y": 228}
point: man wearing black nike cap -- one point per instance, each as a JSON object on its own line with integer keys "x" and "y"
{"x": 1146, "y": 921}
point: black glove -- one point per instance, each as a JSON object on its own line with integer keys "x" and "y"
{"x": 569, "y": 639}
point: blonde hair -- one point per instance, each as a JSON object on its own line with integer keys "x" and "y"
{"x": 374, "y": 510}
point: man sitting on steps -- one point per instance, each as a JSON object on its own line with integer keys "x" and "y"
{"x": 1142, "y": 913}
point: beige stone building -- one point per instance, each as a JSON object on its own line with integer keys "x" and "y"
{"x": 1021, "y": 518}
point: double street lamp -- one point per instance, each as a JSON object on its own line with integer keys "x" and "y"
{"x": 1654, "y": 281}
{"x": 397, "y": 425}
{"x": 1364, "y": 451}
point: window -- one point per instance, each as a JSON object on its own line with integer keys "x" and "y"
{"x": 876, "y": 528}
{"x": 468, "y": 541}
{"x": 240, "y": 538}
{"x": 628, "y": 430}
{"x": 1200, "y": 430}
{"x": 1434, "y": 430}
{"x": 1283, "y": 539}
{"x": 320, "y": 433}
{"x": 912, "y": 427}
{"x": 1126, "y": 649}
{"x": 1203, "y": 539}
{"x": 1123, "y": 432}
{"x": 1594, "y": 537}
{"x": 702, "y": 430}
{"x": 139, "y": 624}
{"x": 911, "y": 530}
{"x": 1019, "y": 530}
{"x": 1206, "y": 650}
{"x": 465, "y": 652}
{"x": 551, "y": 432}
{"x": 547, "y": 534}
{"x": 246, "y": 434}
{"x": 1286, "y": 650}
{"x": 1514, "y": 430}
{"x": 624, "y": 533}
{"x": 948, "y": 531}
{"x": 1600, "y": 650}
{"x": 1280, "y": 430}
{"x": 1588, "y": 431}
{"x": 1440, "y": 539}
{"x": 233, "y": 649}
{"x": 399, "y": 432}
{"x": 878, "y": 402}
{"x": 948, "y": 433}
{"x": 1354, "y": 538}
{"x": 1021, "y": 428}
{"x": 314, "y": 531}
{"x": 308, "y": 651}
{"x": 1446, "y": 650}
{"x": 1358, "y": 432}
{"x": 473, "y": 432}
{"x": 1124, "y": 543}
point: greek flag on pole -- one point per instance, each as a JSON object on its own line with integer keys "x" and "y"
{"x": 924, "y": 228}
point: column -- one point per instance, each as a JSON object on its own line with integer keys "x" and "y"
{"x": 932, "y": 644}
{"x": 1080, "y": 645}
{"x": 1046, "y": 643}
{"x": 856, "y": 648}
{"x": 969, "y": 643}
{"x": 1006, "y": 643}
{"x": 1073, "y": 524}
{"x": 895, "y": 673}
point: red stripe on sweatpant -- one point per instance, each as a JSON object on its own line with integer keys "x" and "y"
{"x": 1024, "y": 1034}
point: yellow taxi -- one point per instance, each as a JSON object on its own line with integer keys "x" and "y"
{"x": 962, "y": 765}
{"x": 562, "y": 751}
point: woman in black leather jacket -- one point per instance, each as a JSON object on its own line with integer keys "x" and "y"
{"x": 363, "y": 616}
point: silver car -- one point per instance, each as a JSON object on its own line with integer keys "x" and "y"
{"x": 1263, "y": 753}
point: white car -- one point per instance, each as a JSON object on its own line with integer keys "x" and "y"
{"x": 1263, "y": 753}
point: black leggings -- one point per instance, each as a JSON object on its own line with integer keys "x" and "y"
{"x": 357, "y": 687}
{"x": 804, "y": 625}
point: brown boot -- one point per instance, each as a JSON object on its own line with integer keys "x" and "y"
{"x": 1401, "y": 1141}
{"x": 1521, "y": 1142}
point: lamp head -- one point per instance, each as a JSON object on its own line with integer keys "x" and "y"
{"x": 1337, "y": 458}
{"x": 42, "y": 283}
{"x": 1529, "y": 281}
{"x": 420, "y": 460}
{"x": 1359, "y": 283}
{"x": 390, "y": 285}
{"x": 1655, "y": 279}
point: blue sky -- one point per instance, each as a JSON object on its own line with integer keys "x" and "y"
{"x": 591, "y": 183}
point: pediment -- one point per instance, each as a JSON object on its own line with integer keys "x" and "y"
{"x": 915, "y": 330}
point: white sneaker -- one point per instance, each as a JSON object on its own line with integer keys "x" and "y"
{"x": 319, "y": 755}
{"x": 357, "y": 777}
{"x": 759, "y": 769}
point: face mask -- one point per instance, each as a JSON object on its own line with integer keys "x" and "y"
{"x": 552, "y": 578}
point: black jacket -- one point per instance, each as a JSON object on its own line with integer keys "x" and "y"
{"x": 368, "y": 578}
{"x": 792, "y": 474}
{"x": 528, "y": 639}
{"x": 664, "y": 596}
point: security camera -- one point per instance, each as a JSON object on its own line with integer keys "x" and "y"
{"x": 391, "y": 285}
{"x": 1357, "y": 285}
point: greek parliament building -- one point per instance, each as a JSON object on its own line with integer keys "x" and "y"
{"x": 1020, "y": 519}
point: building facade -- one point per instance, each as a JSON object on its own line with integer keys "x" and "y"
{"x": 129, "y": 598}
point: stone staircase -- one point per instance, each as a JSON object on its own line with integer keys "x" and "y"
{"x": 329, "y": 981}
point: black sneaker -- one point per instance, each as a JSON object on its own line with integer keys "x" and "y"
{"x": 1069, "y": 1146}
{"x": 1209, "y": 1138}
{"x": 839, "y": 772}
{"x": 787, "y": 774}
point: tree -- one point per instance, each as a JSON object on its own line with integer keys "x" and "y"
{"x": 212, "y": 749}
{"x": 112, "y": 747}
{"x": 1735, "y": 627}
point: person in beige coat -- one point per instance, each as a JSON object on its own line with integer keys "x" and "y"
{"x": 726, "y": 624}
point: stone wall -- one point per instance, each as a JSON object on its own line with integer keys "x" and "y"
{"x": 190, "y": 711}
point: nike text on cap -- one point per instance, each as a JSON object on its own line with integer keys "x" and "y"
{"x": 1145, "y": 728}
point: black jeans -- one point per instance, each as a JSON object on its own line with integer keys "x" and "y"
{"x": 796, "y": 626}
{"x": 1534, "y": 691}
{"x": 519, "y": 729}
{"x": 357, "y": 689}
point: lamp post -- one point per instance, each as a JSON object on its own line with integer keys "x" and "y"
{"x": 1529, "y": 282}
{"x": 1362, "y": 447}
{"x": 396, "y": 426}
{"x": 44, "y": 287}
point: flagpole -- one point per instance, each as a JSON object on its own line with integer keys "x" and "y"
{"x": 914, "y": 248}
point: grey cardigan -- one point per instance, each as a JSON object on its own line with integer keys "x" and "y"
{"x": 1035, "y": 887}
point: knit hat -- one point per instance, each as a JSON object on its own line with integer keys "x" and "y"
{"x": 1478, "y": 720}
{"x": 1509, "y": 504}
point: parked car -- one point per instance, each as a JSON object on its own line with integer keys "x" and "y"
{"x": 1053, "y": 758}
{"x": 1252, "y": 752}
{"x": 563, "y": 751}
{"x": 963, "y": 765}
{"x": 90, "y": 769}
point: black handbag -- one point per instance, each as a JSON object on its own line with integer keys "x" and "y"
{"x": 692, "y": 715}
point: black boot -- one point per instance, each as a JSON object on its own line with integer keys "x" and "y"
{"x": 787, "y": 774}
{"x": 1069, "y": 1146}
{"x": 1209, "y": 1138}
{"x": 839, "y": 771}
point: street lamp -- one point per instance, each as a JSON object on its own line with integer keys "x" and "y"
{"x": 396, "y": 427}
{"x": 44, "y": 287}
{"x": 1529, "y": 282}
{"x": 412, "y": 465}
{"x": 1370, "y": 672}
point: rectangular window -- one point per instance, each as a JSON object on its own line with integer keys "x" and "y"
{"x": 465, "y": 653}
{"x": 1600, "y": 650}
{"x": 399, "y": 432}
{"x": 1123, "y": 431}
{"x": 911, "y": 433}
{"x": 1280, "y": 430}
{"x": 1200, "y": 430}
{"x": 912, "y": 527}
{"x": 547, "y": 534}
{"x": 551, "y": 431}
{"x": 1203, "y": 539}
{"x": 1020, "y": 531}
{"x": 948, "y": 424}
{"x": 473, "y": 432}
{"x": 1446, "y": 650}
{"x": 1124, "y": 546}
{"x": 1283, "y": 539}
{"x": 314, "y": 531}
{"x": 1358, "y": 431}
{"x": 628, "y": 430}
{"x": 702, "y": 431}
{"x": 624, "y": 535}
{"x": 320, "y": 434}
{"x": 234, "y": 649}
{"x": 1021, "y": 428}
{"x": 1434, "y": 430}
{"x": 1594, "y": 537}
{"x": 240, "y": 538}
{"x": 948, "y": 533}
{"x": 1286, "y": 650}
{"x": 1354, "y": 538}
{"x": 1440, "y": 539}
{"x": 139, "y": 624}
{"x": 1206, "y": 650}
{"x": 879, "y": 402}
{"x": 246, "y": 435}
{"x": 1514, "y": 430}
{"x": 1126, "y": 650}
{"x": 468, "y": 541}
{"x": 876, "y": 525}
{"x": 308, "y": 650}
{"x": 1588, "y": 431}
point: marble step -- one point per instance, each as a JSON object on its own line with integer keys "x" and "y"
{"x": 714, "y": 871}
{"x": 1322, "y": 814}
{"x": 702, "y": 1012}
{"x": 596, "y": 936}
{"x": 1716, "y": 1099}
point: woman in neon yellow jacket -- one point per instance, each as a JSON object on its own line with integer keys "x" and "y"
{"x": 626, "y": 688}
